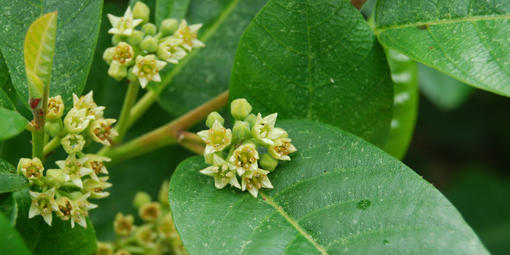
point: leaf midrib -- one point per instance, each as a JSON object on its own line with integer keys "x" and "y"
{"x": 293, "y": 223}
{"x": 379, "y": 30}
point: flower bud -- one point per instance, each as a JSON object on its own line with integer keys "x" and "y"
{"x": 240, "y": 108}
{"x": 163, "y": 193}
{"x": 141, "y": 199}
{"x": 241, "y": 130}
{"x": 145, "y": 236}
{"x": 251, "y": 119}
{"x": 141, "y": 11}
{"x": 55, "y": 177}
{"x": 55, "y": 108}
{"x": 108, "y": 55}
{"x": 149, "y": 29}
{"x": 136, "y": 37}
{"x": 267, "y": 162}
{"x": 32, "y": 169}
{"x": 149, "y": 44}
{"x": 72, "y": 143}
{"x": 150, "y": 212}
{"x": 168, "y": 26}
{"x": 117, "y": 71}
{"x": 212, "y": 117}
{"x": 122, "y": 252}
{"x": 54, "y": 128}
{"x": 123, "y": 225}
{"x": 116, "y": 39}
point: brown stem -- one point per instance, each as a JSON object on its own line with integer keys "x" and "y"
{"x": 358, "y": 3}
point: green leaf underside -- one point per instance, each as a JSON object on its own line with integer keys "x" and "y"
{"x": 206, "y": 72}
{"x": 338, "y": 195}
{"x": 405, "y": 109}
{"x": 442, "y": 90}
{"x": 12, "y": 123}
{"x": 9, "y": 180}
{"x": 11, "y": 241}
{"x": 77, "y": 31}
{"x": 176, "y": 9}
{"x": 59, "y": 239}
{"x": 465, "y": 39}
{"x": 317, "y": 60}
{"x": 39, "y": 49}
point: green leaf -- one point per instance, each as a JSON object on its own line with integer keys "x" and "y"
{"x": 206, "y": 72}
{"x": 58, "y": 239}
{"x": 4, "y": 72}
{"x": 12, "y": 123}
{"x": 5, "y": 101}
{"x": 317, "y": 60}
{"x": 39, "y": 50}
{"x": 338, "y": 194}
{"x": 465, "y": 39}
{"x": 9, "y": 180}
{"x": 9, "y": 207}
{"x": 405, "y": 109}
{"x": 176, "y": 9}
{"x": 76, "y": 37}
{"x": 444, "y": 91}
{"x": 11, "y": 241}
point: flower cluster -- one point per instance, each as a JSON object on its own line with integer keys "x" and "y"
{"x": 157, "y": 234}
{"x": 140, "y": 54}
{"x": 66, "y": 189}
{"x": 249, "y": 151}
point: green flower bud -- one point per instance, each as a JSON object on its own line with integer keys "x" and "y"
{"x": 149, "y": 44}
{"x": 168, "y": 26}
{"x": 163, "y": 193}
{"x": 117, "y": 71}
{"x": 54, "y": 128}
{"x": 212, "y": 117}
{"x": 149, "y": 29}
{"x": 141, "y": 199}
{"x": 55, "y": 177}
{"x": 240, "y": 108}
{"x": 241, "y": 130}
{"x": 108, "y": 55}
{"x": 116, "y": 39}
{"x": 251, "y": 119}
{"x": 267, "y": 162}
{"x": 131, "y": 76}
{"x": 141, "y": 11}
{"x": 136, "y": 37}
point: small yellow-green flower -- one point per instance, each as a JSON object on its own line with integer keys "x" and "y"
{"x": 189, "y": 35}
{"x": 76, "y": 120}
{"x": 150, "y": 212}
{"x": 55, "y": 108}
{"x": 74, "y": 169}
{"x": 104, "y": 249}
{"x": 264, "y": 130}
{"x": 72, "y": 143}
{"x": 65, "y": 208}
{"x": 43, "y": 204}
{"x": 87, "y": 102}
{"x": 123, "y": 54}
{"x": 123, "y": 225}
{"x": 124, "y": 25}
{"x": 281, "y": 148}
{"x": 223, "y": 173}
{"x": 145, "y": 236}
{"x": 96, "y": 187}
{"x": 101, "y": 131}
{"x": 244, "y": 158}
{"x": 147, "y": 69}
{"x": 170, "y": 50}
{"x": 216, "y": 138}
{"x": 254, "y": 180}
{"x": 32, "y": 169}
{"x": 82, "y": 208}
{"x": 95, "y": 162}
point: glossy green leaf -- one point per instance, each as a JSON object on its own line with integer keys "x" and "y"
{"x": 176, "y": 9}
{"x": 317, "y": 60}
{"x": 444, "y": 91}
{"x": 465, "y": 39}
{"x": 12, "y": 123}
{"x": 76, "y": 37}
{"x": 11, "y": 241}
{"x": 4, "y": 71}
{"x": 9, "y": 180}
{"x": 405, "y": 109}
{"x": 5, "y": 101}
{"x": 338, "y": 195}
{"x": 9, "y": 207}
{"x": 59, "y": 239}
{"x": 39, "y": 49}
{"x": 206, "y": 72}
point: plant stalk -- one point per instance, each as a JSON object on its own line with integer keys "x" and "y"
{"x": 51, "y": 146}
{"x": 124, "y": 117}
{"x": 39, "y": 108}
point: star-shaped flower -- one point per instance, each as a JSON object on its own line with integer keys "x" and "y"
{"x": 223, "y": 173}
{"x": 244, "y": 158}
{"x": 147, "y": 69}
{"x": 83, "y": 206}
{"x": 189, "y": 35}
{"x": 170, "y": 50}
{"x": 281, "y": 148}
{"x": 101, "y": 131}
{"x": 74, "y": 169}
{"x": 96, "y": 187}
{"x": 43, "y": 204}
{"x": 264, "y": 130}
{"x": 124, "y": 25}
{"x": 254, "y": 180}
{"x": 216, "y": 138}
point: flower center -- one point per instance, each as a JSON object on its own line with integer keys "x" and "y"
{"x": 122, "y": 54}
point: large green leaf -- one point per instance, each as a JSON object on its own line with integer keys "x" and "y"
{"x": 58, "y": 239}
{"x": 77, "y": 31}
{"x": 11, "y": 241}
{"x": 465, "y": 39}
{"x": 9, "y": 180}
{"x": 4, "y": 71}
{"x": 38, "y": 51}
{"x": 338, "y": 195}
{"x": 5, "y": 101}
{"x": 12, "y": 123}
{"x": 405, "y": 80}
{"x": 176, "y": 9}
{"x": 444, "y": 91}
{"x": 317, "y": 60}
{"x": 206, "y": 72}
{"x": 9, "y": 207}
